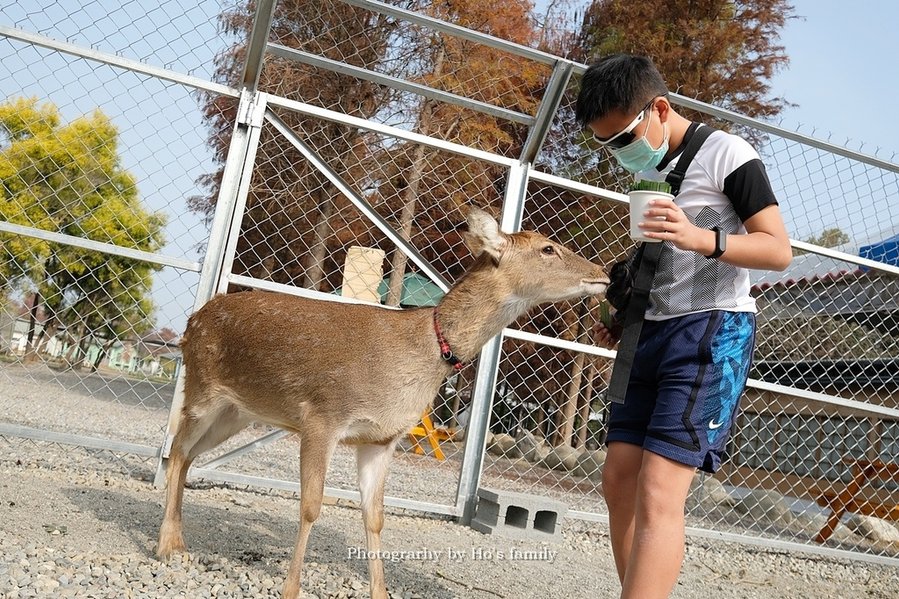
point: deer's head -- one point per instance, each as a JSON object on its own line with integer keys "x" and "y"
{"x": 529, "y": 266}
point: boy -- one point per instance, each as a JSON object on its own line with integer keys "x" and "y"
{"x": 693, "y": 356}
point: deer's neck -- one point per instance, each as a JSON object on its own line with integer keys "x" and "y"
{"x": 473, "y": 312}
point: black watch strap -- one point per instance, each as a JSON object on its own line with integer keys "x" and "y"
{"x": 720, "y": 243}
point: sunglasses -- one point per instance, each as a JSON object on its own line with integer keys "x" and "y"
{"x": 626, "y": 135}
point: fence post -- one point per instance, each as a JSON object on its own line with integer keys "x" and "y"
{"x": 223, "y": 236}
{"x": 488, "y": 366}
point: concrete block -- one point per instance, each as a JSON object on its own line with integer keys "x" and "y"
{"x": 518, "y": 515}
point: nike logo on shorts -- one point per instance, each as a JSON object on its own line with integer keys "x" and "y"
{"x": 713, "y": 425}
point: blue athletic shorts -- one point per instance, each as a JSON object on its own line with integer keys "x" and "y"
{"x": 685, "y": 386}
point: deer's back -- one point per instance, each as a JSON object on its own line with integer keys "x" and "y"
{"x": 288, "y": 359}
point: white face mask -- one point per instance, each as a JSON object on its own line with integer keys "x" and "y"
{"x": 639, "y": 156}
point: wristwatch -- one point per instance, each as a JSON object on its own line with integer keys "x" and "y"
{"x": 720, "y": 243}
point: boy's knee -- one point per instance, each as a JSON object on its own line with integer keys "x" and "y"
{"x": 618, "y": 483}
{"x": 664, "y": 493}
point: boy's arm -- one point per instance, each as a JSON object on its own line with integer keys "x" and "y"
{"x": 765, "y": 246}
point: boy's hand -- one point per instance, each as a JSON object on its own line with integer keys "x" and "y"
{"x": 675, "y": 227}
{"x": 606, "y": 337}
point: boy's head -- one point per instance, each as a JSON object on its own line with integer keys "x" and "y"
{"x": 617, "y": 83}
{"x": 623, "y": 102}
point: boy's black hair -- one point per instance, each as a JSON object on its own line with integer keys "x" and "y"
{"x": 621, "y": 82}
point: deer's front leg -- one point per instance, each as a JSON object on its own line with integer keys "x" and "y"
{"x": 372, "y": 461}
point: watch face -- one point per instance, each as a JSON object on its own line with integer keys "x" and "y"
{"x": 720, "y": 242}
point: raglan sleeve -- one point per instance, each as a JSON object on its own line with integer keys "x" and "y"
{"x": 746, "y": 182}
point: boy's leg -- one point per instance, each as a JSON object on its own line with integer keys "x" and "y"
{"x": 657, "y": 547}
{"x": 704, "y": 359}
{"x": 619, "y": 487}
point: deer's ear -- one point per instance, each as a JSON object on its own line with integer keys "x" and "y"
{"x": 483, "y": 235}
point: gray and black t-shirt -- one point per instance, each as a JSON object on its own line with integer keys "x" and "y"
{"x": 724, "y": 185}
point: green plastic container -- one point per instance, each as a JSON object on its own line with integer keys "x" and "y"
{"x": 605, "y": 314}
{"x": 644, "y": 185}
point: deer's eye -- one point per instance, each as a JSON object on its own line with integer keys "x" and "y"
{"x": 548, "y": 250}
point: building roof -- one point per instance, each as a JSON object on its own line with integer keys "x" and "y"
{"x": 158, "y": 345}
{"x": 882, "y": 246}
{"x": 805, "y": 268}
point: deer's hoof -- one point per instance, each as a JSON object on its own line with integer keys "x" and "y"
{"x": 168, "y": 547}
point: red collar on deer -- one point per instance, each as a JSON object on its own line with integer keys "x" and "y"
{"x": 445, "y": 352}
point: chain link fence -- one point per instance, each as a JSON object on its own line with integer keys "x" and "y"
{"x": 99, "y": 256}
{"x": 138, "y": 181}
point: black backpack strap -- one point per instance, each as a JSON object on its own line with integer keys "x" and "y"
{"x": 636, "y": 308}
{"x": 633, "y": 322}
{"x": 676, "y": 176}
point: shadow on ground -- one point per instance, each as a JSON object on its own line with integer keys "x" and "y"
{"x": 248, "y": 535}
{"x": 111, "y": 387}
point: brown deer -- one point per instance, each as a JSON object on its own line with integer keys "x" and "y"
{"x": 353, "y": 373}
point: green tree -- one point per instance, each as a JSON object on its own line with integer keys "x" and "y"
{"x": 722, "y": 52}
{"x": 68, "y": 178}
{"x": 829, "y": 238}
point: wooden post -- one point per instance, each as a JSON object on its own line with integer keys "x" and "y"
{"x": 363, "y": 270}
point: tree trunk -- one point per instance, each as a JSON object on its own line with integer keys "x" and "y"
{"x": 541, "y": 425}
{"x": 47, "y": 333}
{"x": 75, "y": 355}
{"x": 566, "y": 428}
{"x": 399, "y": 259}
{"x": 463, "y": 381}
{"x": 83, "y": 345}
{"x": 30, "y": 353}
{"x": 581, "y": 437}
{"x": 72, "y": 341}
{"x": 315, "y": 272}
{"x": 104, "y": 349}
{"x": 554, "y": 420}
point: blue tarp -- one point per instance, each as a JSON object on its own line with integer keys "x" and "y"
{"x": 418, "y": 290}
{"x": 886, "y": 251}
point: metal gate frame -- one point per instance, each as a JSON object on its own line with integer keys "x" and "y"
{"x": 253, "y": 111}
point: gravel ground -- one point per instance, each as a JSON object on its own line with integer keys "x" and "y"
{"x": 83, "y": 523}
{"x": 76, "y": 524}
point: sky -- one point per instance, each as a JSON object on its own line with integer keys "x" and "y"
{"x": 842, "y": 72}
{"x": 842, "y": 79}
{"x": 841, "y": 76}
{"x": 161, "y": 135}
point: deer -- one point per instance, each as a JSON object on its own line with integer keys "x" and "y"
{"x": 357, "y": 373}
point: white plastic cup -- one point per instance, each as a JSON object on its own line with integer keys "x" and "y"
{"x": 639, "y": 204}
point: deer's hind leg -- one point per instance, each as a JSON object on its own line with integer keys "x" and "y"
{"x": 198, "y": 431}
